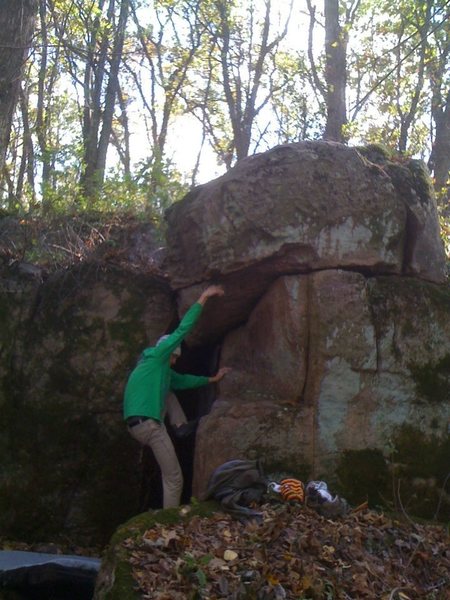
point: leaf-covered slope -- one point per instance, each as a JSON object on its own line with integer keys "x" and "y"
{"x": 292, "y": 553}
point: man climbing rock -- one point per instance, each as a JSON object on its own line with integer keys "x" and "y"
{"x": 148, "y": 398}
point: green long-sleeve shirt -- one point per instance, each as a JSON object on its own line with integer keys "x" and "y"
{"x": 152, "y": 378}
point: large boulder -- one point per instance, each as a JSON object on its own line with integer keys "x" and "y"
{"x": 335, "y": 319}
{"x": 300, "y": 207}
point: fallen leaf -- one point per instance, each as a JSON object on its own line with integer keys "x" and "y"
{"x": 216, "y": 563}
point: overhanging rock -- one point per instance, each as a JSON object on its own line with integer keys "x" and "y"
{"x": 299, "y": 208}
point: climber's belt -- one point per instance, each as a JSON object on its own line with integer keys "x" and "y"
{"x": 132, "y": 421}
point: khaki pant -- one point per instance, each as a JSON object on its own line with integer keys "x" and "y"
{"x": 154, "y": 434}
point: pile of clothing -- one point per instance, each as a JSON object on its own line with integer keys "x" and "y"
{"x": 240, "y": 485}
{"x": 237, "y": 485}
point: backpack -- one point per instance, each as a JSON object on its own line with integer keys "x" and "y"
{"x": 237, "y": 484}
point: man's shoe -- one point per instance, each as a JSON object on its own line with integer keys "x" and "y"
{"x": 186, "y": 429}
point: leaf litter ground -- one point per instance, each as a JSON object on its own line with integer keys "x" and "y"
{"x": 293, "y": 553}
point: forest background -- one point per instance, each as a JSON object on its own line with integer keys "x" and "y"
{"x": 122, "y": 106}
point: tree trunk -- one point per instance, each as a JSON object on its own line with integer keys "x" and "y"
{"x": 41, "y": 129}
{"x": 27, "y": 163}
{"x": 241, "y": 95}
{"x": 124, "y": 152}
{"x": 17, "y": 20}
{"x": 440, "y": 156}
{"x": 335, "y": 72}
{"x": 439, "y": 162}
{"x": 112, "y": 91}
{"x": 92, "y": 87}
{"x": 407, "y": 117}
{"x": 100, "y": 103}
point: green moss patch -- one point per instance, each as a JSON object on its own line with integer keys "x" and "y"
{"x": 54, "y": 464}
{"x": 421, "y": 179}
{"x": 68, "y": 465}
{"x": 413, "y": 480}
{"x": 422, "y": 467}
{"x": 116, "y": 581}
{"x": 363, "y": 475}
{"x": 407, "y": 174}
{"x": 433, "y": 380}
{"x": 376, "y": 153}
{"x": 421, "y": 455}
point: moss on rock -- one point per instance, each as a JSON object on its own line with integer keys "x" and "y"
{"x": 376, "y": 153}
{"x": 421, "y": 455}
{"x": 422, "y": 469}
{"x": 363, "y": 475}
{"x": 421, "y": 179}
{"x": 115, "y": 580}
{"x": 67, "y": 460}
{"x": 433, "y": 380}
{"x": 413, "y": 479}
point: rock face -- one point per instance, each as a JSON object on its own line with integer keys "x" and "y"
{"x": 347, "y": 362}
{"x": 297, "y": 208}
{"x": 67, "y": 344}
{"x": 336, "y": 323}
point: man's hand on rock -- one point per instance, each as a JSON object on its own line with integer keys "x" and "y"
{"x": 212, "y": 290}
{"x": 220, "y": 374}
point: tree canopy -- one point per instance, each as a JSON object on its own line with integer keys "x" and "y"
{"x": 127, "y": 103}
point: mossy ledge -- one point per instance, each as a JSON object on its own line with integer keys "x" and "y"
{"x": 115, "y": 580}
